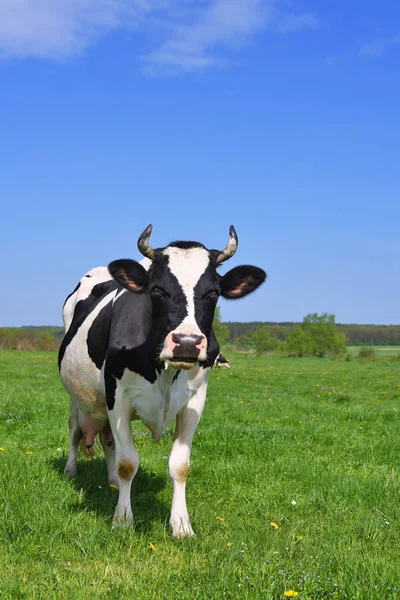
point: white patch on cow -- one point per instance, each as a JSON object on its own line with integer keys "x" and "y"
{"x": 156, "y": 405}
{"x": 188, "y": 266}
{"x": 186, "y": 424}
{"x": 81, "y": 378}
{"x": 146, "y": 263}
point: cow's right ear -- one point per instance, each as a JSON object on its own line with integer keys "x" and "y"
{"x": 130, "y": 274}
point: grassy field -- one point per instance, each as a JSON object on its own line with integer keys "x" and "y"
{"x": 310, "y": 446}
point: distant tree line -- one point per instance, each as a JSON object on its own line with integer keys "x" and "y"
{"x": 356, "y": 335}
{"x": 253, "y": 336}
{"x": 31, "y": 338}
{"x": 317, "y": 335}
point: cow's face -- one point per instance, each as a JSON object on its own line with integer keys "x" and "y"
{"x": 184, "y": 286}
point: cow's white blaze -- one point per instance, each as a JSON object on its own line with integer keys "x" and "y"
{"x": 187, "y": 265}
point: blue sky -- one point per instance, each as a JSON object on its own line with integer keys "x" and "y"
{"x": 279, "y": 117}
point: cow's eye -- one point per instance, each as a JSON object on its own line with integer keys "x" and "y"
{"x": 211, "y": 295}
{"x": 160, "y": 292}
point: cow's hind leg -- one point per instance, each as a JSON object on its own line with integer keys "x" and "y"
{"x": 126, "y": 461}
{"x": 75, "y": 435}
{"x": 186, "y": 425}
{"x": 107, "y": 442}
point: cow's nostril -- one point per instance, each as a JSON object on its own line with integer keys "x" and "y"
{"x": 200, "y": 339}
{"x": 176, "y": 338}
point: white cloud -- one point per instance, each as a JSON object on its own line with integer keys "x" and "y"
{"x": 58, "y": 28}
{"x": 187, "y": 35}
{"x": 223, "y": 23}
{"x": 379, "y": 46}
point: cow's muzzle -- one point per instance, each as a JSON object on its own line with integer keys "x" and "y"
{"x": 184, "y": 349}
{"x": 187, "y": 346}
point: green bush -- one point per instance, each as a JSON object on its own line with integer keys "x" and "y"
{"x": 367, "y": 352}
{"x": 243, "y": 343}
{"x": 262, "y": 340}
{"x": 316, "y": 336}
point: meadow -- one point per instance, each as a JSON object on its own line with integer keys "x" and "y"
{"x": 293, "y": 489}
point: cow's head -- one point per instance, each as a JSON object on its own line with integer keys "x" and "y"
{"x": 184, "y": 286}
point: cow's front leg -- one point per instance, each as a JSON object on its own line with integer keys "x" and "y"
{"x": 126, "y": 461}
{"x": 186, "y": 425}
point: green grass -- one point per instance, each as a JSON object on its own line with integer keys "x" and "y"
{"x": 321, "y": 432}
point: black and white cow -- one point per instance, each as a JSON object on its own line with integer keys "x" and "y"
{"x": 139, "y": 344}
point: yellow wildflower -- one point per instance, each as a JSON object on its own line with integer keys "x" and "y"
{"x": 274, "y": 525}
{"x": 291, "y": 593}
{"x": 299, "y": 537}
{"x": 152, "y": 547}
{"x": 229, "y": 544}
{"x": 28, "y": 452}
{"x": 220, "y": 518}
{"x": 1, "y": 449}
{"x": 114, "y": 487}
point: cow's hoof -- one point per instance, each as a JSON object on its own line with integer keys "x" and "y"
{"x": 121, "y": 522}
{"x": 71, "y": 471}
{"x": 181, "y": 529}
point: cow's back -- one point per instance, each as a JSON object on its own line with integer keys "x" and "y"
{"x": 82, "y": 291}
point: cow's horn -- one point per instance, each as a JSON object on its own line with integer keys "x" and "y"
{"x": 231, "y": 246}
{"x": 143, "y": 243}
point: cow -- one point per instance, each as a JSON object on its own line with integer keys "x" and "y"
{"x": 139, "y": 344}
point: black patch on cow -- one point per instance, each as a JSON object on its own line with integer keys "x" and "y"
{"x": 206, "y": 294}
{"x": 110, "y": 384}
{"x": 131, "y": 343}
{"x": 98, "y": 335}
{"x": 72, "y": 293}
{"x": 212, "y": 350}
{"x": 186, "y": 245}
{"x": 82, "y": 309}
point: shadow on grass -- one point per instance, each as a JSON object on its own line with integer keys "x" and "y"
{"x": 99, "y": 498}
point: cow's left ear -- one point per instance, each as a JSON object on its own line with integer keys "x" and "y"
{"x": 130, "y": 274}
{"x": 240, "y": 281}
